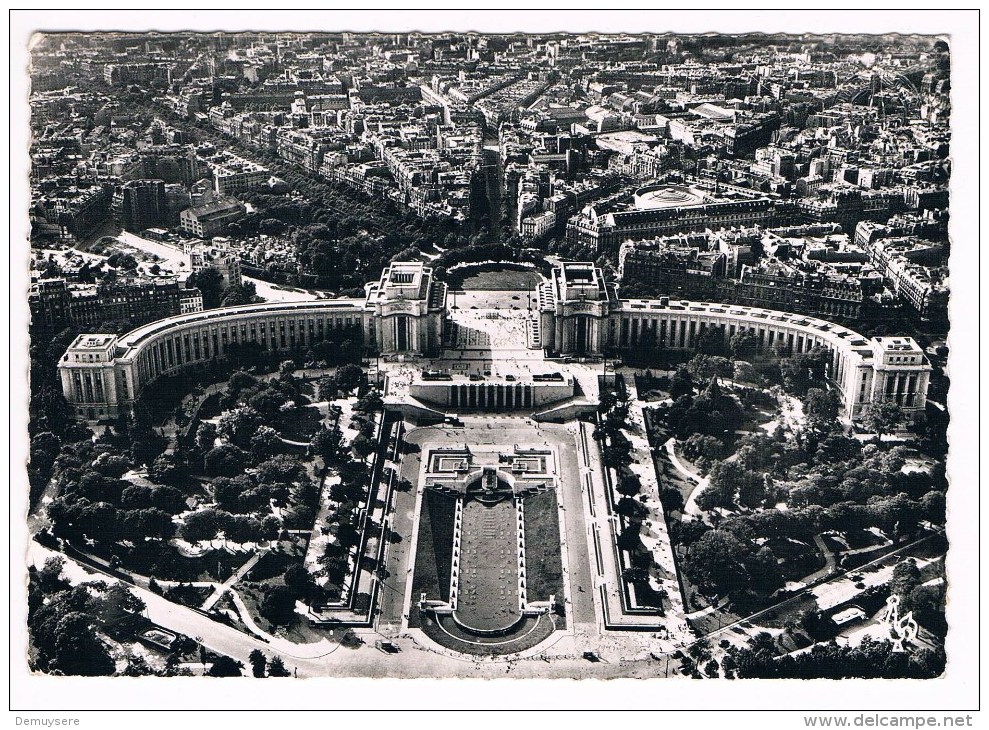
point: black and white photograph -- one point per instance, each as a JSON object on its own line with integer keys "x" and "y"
{"x": 466, "y": 347}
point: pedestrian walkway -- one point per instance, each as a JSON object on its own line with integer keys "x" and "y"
{"x": 233, "y": 579}
{"x": 690, "y": 508}
{"x": 280, "y": 645}
{"x": 829, "y": 563}
{"x": 656, "y": 538}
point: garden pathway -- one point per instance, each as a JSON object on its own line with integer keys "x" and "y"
{"x": 226, "y": 585}
{"x": 690, "y": 508}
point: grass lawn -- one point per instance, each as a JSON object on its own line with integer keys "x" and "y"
{"x": 713, "y": 621}
{"x": 649, "y": 390}
{"x": 188, "y": 595}
{"x": 302, "y": 425}
{"x": 863, "y": 538}
{"x": 670, "y": 477}
{"x": 210, "y": 407}
{"x": 434, "y": 550}
{"x": 500, "y": 280}
{"x": 543, "y": 563}
{"x": 834, "y": 544}
{"x": 799, "y": 558}
{"x": 272, "y": 565}
{"x": 164, "y": 561}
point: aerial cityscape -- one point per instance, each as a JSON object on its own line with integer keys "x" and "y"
{"x": 548, "y": 355}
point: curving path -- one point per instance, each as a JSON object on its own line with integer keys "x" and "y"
{"x": 690, "y": 508}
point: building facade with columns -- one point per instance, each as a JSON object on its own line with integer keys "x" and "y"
{"x": 577, "y": 309}
{"x": 409, "y": 308}
{"x": 103, "y": 374}
{"x": 405, "y": 312}
{"x": 862, "y": 371}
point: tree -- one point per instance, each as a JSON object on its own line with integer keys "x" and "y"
{"x": 224, "y": 666}
{"x": 111, "y": 465}
{"x": 281, "y": 469}
{"x": 636, "y": 575}
{"x": 349, "y": 376}
{"x": 265, "y": 443}
{"x": 327, "y": 388}
{"x": 271, "y": 526}
{"x": 278, "y": 605}
{"x": 702, "y": 446}
{"x": 370, "y": 402}
{"x": 764, "y": 569}
{"x": 822, "y": 408}
{"x": 78, "y": 650}
{"x": 120, "y": 611}
{"x": 672, "y": 499}
{"x": 347, "y": 535}
{"x": 44, "y": 449}
{"x": 258, "y": 663}
{"x": 205, "y": 524}
{"x": 224, "y": 460}
{"x": 205, "y": 437}
{"x": 141, "y": 524}
{"x": 241, "y": 529}
{"x": 725, "y": 478}
{"x": 50, "y": 576}
{"x": 239, "y": 382}
{"x": 163, "y": 470}
{"x": 616, "y": 455}
{"x": 239, "y": 425}
{"x": 906, "y": 577}
{"x": 209, "y": 281}
{"x": 836, "y": 447}
{"x": 238, "y": 294}
{"x": 629, "y": 485}
{"x": 933, "y": 507}
{"x": 227, "y": 491}
{"x": 326, "y": 444}
{"x": 300, "y": 580}
{"x": 629, "y": 539}
{"x": 681, "y": 383}
{"x": 752, "y": 489}
{"x": 801, "y": 371}
{"x": 744, "y": 346}
{"x": 882, "y": 418}
{"x": 744, "y": 372}
{"x": 705, "y": 367}
{"x": 100, "y": 521}
{"x": 716, "y": 560}
{"x": 632, "y": 509}
{"x": 712, "y": 341}
{"x": 276, "y": 668}
{"x": 363, "y": 446}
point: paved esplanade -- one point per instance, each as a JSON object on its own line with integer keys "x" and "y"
{"x": 491, "y": 331}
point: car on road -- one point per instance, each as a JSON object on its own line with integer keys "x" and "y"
{"x": 387, "y": 647}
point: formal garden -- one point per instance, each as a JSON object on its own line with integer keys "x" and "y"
{"x": 226, "y": 486}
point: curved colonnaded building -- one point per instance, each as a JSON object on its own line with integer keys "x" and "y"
{"x": 405, "y": 312}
